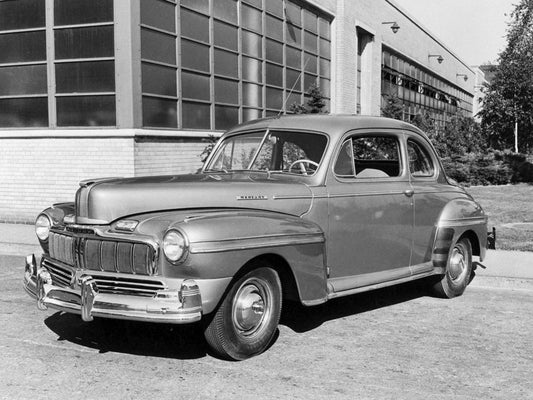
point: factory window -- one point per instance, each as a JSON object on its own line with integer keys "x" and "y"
{"x": 84, "y": 51}
{"x": 229, "y": 61}
{"x": 23, "y": 76}
{"x": 420, "y": 91}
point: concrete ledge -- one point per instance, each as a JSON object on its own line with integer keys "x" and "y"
{"x": 103, "y": 133}
{"x": 498, "y": 282}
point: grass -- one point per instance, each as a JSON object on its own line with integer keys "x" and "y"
{"x": 510, "y": 210}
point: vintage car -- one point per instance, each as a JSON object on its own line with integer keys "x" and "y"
{"x": 305, "y": 208}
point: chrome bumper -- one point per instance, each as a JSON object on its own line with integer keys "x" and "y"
{"x": 180, "y": 306}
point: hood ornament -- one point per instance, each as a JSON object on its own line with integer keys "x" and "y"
{"x": 69, "y": 219}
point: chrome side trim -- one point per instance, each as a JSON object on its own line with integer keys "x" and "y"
{"x": 382, "y": 285}
{"x": 333, "y": 196}
{"x": 293, "y": 197}
{"x": 366, "y": 194}
{"x": 255, "y": 242}
{"x": 462, "y": 222}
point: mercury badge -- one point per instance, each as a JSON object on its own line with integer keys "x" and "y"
{"x": 252, "y": 197}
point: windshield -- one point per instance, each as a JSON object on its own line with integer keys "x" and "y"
{"x": 273, "y": 151}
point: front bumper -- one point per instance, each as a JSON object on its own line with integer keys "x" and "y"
{"x": 84, "y": 298}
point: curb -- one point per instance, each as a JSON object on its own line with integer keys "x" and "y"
{"x": 499, "y": 282}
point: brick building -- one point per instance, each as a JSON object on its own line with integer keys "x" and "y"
{"x": 131, "y": 87}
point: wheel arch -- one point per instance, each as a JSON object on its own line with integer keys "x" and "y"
{"x": 474, "y": 241}
{"x": 279, "y": 264}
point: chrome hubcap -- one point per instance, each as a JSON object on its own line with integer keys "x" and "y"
{"x": 251, "y": 306}
{"x": 458, "y": 265}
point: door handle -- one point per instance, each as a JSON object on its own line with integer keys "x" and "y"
{"x": 409, "y": 192}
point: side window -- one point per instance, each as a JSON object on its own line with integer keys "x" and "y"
{"x": 369, "y": 157}
{"x": 420, "y": 162}
{"x": 376, "y": 156}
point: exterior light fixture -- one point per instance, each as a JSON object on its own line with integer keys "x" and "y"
{"x": 440, "y": 59}
{"x": 394, "y": 26}
{"x": 465, "y": 77}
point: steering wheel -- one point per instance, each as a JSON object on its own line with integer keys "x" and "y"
{"x": 303, "y": 168}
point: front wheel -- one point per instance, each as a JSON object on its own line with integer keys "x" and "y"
{"x": 458, "y": 270}
{"x": 246, "y": 320}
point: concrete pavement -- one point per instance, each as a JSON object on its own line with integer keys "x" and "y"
{"x": 18, "y": 240}
{"x": 515, "y": 267}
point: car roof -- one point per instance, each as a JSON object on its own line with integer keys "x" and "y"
{"x": 333, "y": 124}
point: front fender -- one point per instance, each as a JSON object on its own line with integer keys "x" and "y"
{"x": 57, "y": 213}
{"x": 223, "y": 242}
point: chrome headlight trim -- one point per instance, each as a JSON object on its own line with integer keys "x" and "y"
{"x": 43, "y": 223}
{"x": 175, "y": 246}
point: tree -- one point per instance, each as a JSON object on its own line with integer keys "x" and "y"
{"x": 393, "y": 107}
{"x": 314, "y": 105}
{"x": 509, "y": 97}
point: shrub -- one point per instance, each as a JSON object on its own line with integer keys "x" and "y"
{"x": 525, "y": 172}
{"x": 478, "y": 169}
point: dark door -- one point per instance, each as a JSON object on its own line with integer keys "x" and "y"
{"x": 370, "y": 212}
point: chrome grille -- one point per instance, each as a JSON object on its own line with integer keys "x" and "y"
{"x": 127, "y": 286}
{"x": 102, "y": 255}
{"x": 61, "y": 274}
{"x": 62, "y": 248}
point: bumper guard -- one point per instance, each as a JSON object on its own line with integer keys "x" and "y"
{"x": 167, "y": 306}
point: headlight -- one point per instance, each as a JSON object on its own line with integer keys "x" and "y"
{"x": 42, "y": 227}
{"x": 175, "y": 246}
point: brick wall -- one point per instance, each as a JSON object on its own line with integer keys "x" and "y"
{"x": 37, "y": 172}
{"x": 161, "y": 156}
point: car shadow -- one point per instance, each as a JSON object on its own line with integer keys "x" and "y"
{"x": 131, "y": 337}
{"x": 302, "y": 319}
{"x": 187, "y": 341}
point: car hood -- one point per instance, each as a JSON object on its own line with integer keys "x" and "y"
{"x": 106, "y": 200}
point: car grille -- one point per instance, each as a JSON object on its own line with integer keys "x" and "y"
{"x": 103, "y": 255}
{"x": 127, "y": 286}
{"x": 62, "y": 276}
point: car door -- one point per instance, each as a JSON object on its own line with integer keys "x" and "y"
{"x": 370, "y": 211}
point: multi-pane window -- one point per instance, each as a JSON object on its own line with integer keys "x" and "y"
{"x": 23, "y": 73}
{"x": 422, "y": 92}
{"x": 84, "y": 62}
{"x": 229, "y": 61}
{"x": 159, "y": 65}
{"x": 77, "y": 55}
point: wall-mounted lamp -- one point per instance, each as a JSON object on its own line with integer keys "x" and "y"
{"x": 394, "y": 26}
{"x": 440, "y": 59}
{"x": 465, "y": 77}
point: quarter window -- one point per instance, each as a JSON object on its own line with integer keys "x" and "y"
{"x": 420, "y": 163}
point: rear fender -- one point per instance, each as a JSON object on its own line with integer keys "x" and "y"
{"x": 460, "y": 217}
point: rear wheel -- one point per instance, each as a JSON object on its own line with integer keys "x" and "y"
{"x": 458, "y": 270}
{"x": 247, "y": 319}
